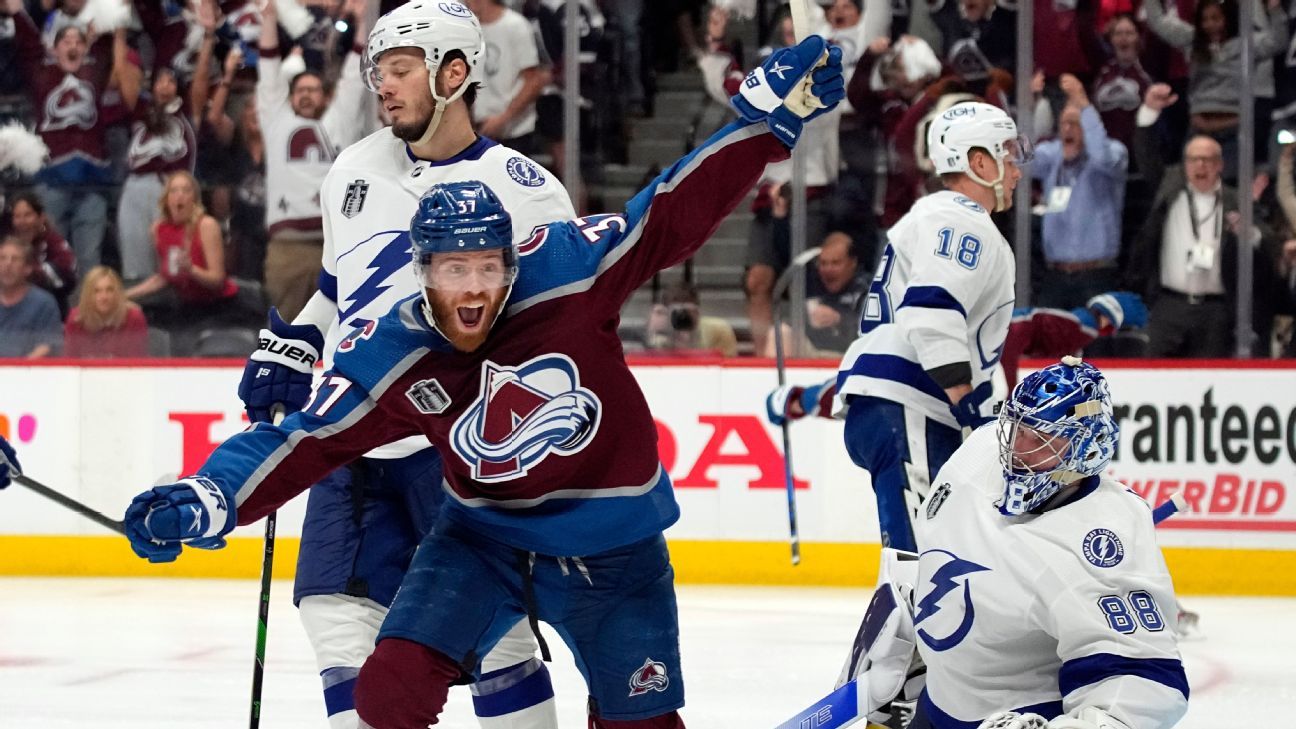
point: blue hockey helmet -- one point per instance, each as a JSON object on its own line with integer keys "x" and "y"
{"x": 462, "y": 217}
{"x": 1055, "y": 429}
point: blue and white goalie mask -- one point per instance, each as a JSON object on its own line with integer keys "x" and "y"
{"x": 1056, "y": 429}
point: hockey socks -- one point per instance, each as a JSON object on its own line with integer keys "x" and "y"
{"x": 517, "y": 697}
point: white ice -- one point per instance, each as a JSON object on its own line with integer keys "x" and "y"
{"x": 161, "y": 654}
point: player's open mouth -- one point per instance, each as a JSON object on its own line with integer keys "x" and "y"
{"x": 470, "y": 316}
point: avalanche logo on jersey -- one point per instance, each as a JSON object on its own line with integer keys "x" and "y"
{"x": 651, "y": 676}
{"x": 524, "y": 172}
{"x": 1103, "y": 548}
{"x": 954, "y": 624}
{"x": 522, "y": 415}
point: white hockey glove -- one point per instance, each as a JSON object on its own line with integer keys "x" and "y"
{"x": 1013, "y": 720}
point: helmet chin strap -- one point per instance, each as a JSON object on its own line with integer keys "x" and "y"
{"x": 1001, "y": 202}
{"x": 441, "y": 104}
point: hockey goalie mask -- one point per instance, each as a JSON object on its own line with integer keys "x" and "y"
{"x": 464, "y": 258}
{"x": 1056, "y": 429}
{"x": 436, "y": 28}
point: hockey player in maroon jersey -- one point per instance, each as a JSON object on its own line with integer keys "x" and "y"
{"x": 509, "y": 362}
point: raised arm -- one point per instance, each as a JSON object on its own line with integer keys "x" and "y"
{"x": 200, "y": 84}
{"x": 271, "y": 91}
{"x": 1172, "y": 29}
{"x": 676, "y": 213}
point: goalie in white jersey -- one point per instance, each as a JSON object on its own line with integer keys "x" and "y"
{"x": 935, "y": 318}
{"x": 424, "y": 60}
{"x": 1041, "y": 589}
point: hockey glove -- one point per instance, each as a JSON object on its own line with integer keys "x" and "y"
{"x": 1122, "y": 309}
{"x": 784, "y": 404}
{"x": 777, "y": 92}
{"x": 279, "y": 372}
{"x": 975, "y": 408}
{"x": 1013, "y": 720}
{"x": 8, "y": 463}
{"x": 196, "y": 511}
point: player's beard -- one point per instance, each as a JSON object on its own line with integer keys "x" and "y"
{"x": 445, "y": 315}
{"x": 413, "y": 131}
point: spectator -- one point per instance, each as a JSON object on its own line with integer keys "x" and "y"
{"x": 974, "y": 37}
{"x": 676, "y": 325}
{"x": 1083, "y": 173}
{"x": 304, "y": 130}
{"x": 1185, "y": 257}
{"x": 66, "y": 86}
{"x": 627, "y": 17}
{"x": 55, "y": 269}
{"x": 904, "y": 71}
{"x": 190, "y": 281}
{"x": 835, "y": 290}
{"x": 105, "y": 323}
{"x": 1066, "y": 38}
{"x": 29, "y": 318}
{"x": 66, "y": 14}
{"x": 1119, "y": 86}
{"x": 505, "y": 106}
{"x": 162, "y": 138}
{"x": 1215, "y": 65}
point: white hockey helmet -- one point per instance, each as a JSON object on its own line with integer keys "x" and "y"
{"x": 953, "y": 134}
{"x": 972, "y": 124}
{"x": 437, "y": 27}
{"x": 434, "y": 26}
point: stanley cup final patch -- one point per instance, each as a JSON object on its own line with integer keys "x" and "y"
{"x": 651, "y": 676}
{"x": 354, "y": 200}
{"x": 429, "y": 397}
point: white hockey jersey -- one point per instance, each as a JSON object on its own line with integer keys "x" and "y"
{"x": 1046, "y": 612}
{"x": 367, "y": 201}
{"x": 943, "y": 294}
{"x": 299, "y": 151}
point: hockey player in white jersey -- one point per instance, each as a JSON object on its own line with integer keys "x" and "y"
{"x": 1042, "y": 598}
{"x": 935, "y": 318}
{"x": 363, "y": 523}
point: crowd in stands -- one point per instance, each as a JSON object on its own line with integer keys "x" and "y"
{"x": 187, "y": 137}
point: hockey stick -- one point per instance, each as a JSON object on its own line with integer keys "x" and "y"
{"x": 849, "y": 704}
{"x": 780, "y": 287}
{"x": 70, "y": 503}
{"x": 263, "y": 607}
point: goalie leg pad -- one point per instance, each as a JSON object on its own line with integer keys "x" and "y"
{"x": 885, "y": 648}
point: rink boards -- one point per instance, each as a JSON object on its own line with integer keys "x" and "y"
{"x": 1223, "y": 433}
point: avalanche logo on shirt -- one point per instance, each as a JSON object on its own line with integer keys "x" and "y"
{"x": 524, "y": 414}
{"x": 954, "y": 623}
{"x": 1103, "y": 548}
{"x": 524, "y": 172}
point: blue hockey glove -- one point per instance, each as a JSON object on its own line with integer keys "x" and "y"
{"x": 196, "y": 511}
{"x": 975, "y": 409}
{"x": 1122, "y": 309}
{"x": 279, "y": 372}
{"x": 774, "y": 92}
{"x": 8, "y": 463}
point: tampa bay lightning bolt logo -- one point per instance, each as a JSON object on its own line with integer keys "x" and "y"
{"x": 523, "y": 415}
{"x": 393, "y": 256}
{"x": 1103, "y": 548}
{"x": 524, "y": 172}
{"x": 992, "y": 334}
{"x": 944, "y": 581}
